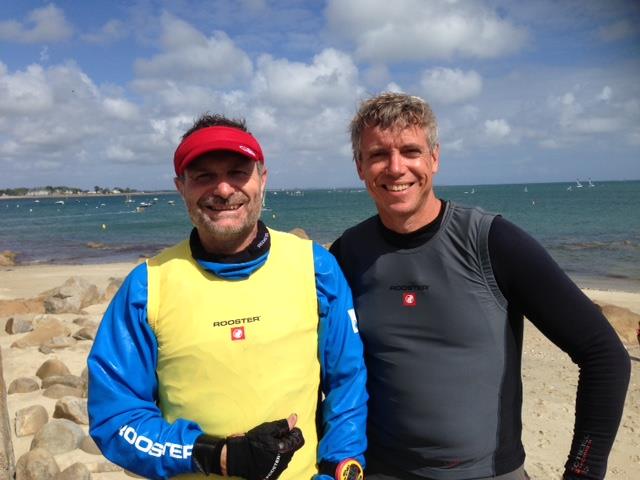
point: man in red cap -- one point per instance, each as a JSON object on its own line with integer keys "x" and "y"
{"x": 208, "y": 348}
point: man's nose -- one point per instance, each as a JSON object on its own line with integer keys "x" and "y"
{"x": 395, "y": 165}
{"x": 223, "y": 189}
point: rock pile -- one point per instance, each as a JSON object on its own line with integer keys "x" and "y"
{"x": 46, "y": 401}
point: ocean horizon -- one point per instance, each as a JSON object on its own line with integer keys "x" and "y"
{"x": 592, "y": 229}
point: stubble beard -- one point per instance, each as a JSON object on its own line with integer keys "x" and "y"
{"x": 226, "y": 236}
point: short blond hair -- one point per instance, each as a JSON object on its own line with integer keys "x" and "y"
{"x": 393, "y": 110}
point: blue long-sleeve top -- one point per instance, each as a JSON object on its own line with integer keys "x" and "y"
{"x": 126, "y": 422}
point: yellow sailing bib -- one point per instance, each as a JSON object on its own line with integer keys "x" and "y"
{"x": 233, "y": 354}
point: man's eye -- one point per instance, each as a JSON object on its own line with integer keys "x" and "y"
{"x": 413, "y": 153}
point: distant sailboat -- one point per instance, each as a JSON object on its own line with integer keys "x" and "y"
{"x": 526, "y": 189}
{"x": 591, "y": 184}
{"x": 578, "y": 184}
{"x": 569, "y": 188}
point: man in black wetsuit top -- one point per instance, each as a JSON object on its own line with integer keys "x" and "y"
{"x": 441, "y": 291}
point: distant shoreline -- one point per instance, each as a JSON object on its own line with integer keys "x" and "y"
{"x": 85, "y": 195}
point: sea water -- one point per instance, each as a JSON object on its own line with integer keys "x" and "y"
{"x": 592, "y": 232}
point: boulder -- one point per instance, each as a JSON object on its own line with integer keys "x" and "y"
{"x": 43, "y": 333}
{"x": 58, "y": 436}
{"x": 58, "y": 391}
{"x": 72, "y": 381}
{"x": 23, "y": 385}
{"x": 83, "y": 321}
{"x": 75, "y": 294}
{"x": 624, "y": 321}
{"x": 87, "y": 332}
{"x": 7, "y": 258}
{"x": 37, "y": 464}
{"x": 30, "y": 419}
{"x": 72, "y": 408}
{"x": 88, "y": 445}
{"x": 21, "y": 306}
{"x": 56, "y": 343}
{"x": 77, "y": 471}
{"x": 19, "y": 324}
{"x": 85, "y": 378}
{"x": 52, "y": 367}
{"x": 112, "y": 288}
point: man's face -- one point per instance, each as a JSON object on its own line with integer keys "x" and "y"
{"x": 397, "y": 167}
{"x": 223, "y": 194}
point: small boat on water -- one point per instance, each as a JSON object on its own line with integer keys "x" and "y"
{"x": 171, "y": 202}
{"x": 60, "y": 202}
{"x": 578, "y": 184}
{"x": 144, "y": 204}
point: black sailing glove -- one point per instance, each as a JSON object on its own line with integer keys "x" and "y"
{"x": 206, "y": 454}
{"x": 264, "y": 451}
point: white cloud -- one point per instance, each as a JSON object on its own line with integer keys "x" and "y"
{"x": 190, "y": 56}
{"x": 416, "y": 30}
{"x": 119, "y": 153}
{"x": 497, "y": 129}
{"x": 606, "y": 93}
{"x": 331, "y": 79}
{"x": 113, "y": 30}
{"x": 445, "y": 85}
{"x": 595, "y": 125}
{"x": 394, "y": 87}
{"x": 456, "y": 145}
{"x": 46, "y": 24}
{"x": 120, "y": 108}
{"x": 26, "y": 92}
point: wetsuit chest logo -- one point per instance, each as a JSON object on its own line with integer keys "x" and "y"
{"x": 409, "y": 299}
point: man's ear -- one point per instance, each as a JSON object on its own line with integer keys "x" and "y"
{"x": 435, "y": 153}
{"x": 360, "y": 169}
{"x": 179, "y": 183}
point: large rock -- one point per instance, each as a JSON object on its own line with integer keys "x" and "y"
{"x": 112, "y": 288}
{"x": 88, "y": 445}
{"x": 7, "y": 462}
{"x": 87, "y": 332}
{"x": 75, "y": 294}
{"x": 20, "y": 306}
{"x": 69, "y": 380}
{"x": 7, "y": 258}
{"x": 52, "y": 368}
{"x": 37, "y": 464}
{"x": 43, "y": 333}
{"x": 72, "y": 408}
{"x": 23, "y": 385}
{"x": 58, "y": 391}
{"x": 19, "y": 324}
{"x": 77, "y": 471}
{"x": 57, "y": 343}
{"x": 623, "y": 320}
{"x": 30, "y": 419}
{"x": 58, "y": 436}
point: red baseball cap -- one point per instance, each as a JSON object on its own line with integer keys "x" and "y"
{"x": 211, "y": 139}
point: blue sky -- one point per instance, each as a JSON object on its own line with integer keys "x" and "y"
{"x": 98, "y": 93}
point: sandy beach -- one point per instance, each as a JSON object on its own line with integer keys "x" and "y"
{"x": 549, "y": 376}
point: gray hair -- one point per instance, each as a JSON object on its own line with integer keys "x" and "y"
{"x": 391, "y": 110}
